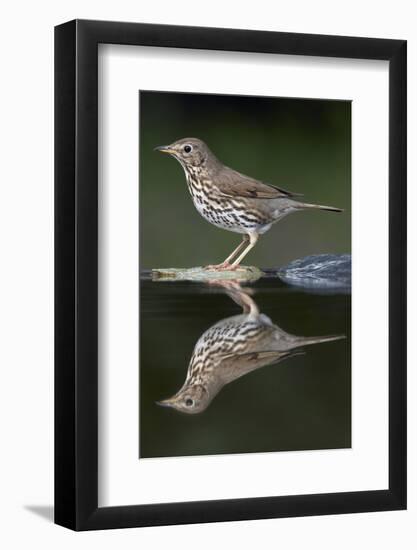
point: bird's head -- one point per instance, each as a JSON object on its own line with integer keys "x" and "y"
{"x": 190, "y": 400}
{"x": 190, "y": 152}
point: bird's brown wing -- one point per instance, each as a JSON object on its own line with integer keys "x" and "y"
{"x": 234, "y": 184}
{"x": 234, "y": 365}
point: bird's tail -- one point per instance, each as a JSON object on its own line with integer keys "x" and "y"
{"x": 310, "y": 340}
{"x": 305, "y": 205}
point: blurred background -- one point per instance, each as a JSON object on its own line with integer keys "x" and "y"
{"x": 302, "y": 145}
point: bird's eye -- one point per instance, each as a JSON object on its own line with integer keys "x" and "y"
{"x": 189, "y": 402}
{"x": 187, "y": 148}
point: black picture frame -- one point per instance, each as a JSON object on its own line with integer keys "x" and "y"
{"x": 76, "y": 272}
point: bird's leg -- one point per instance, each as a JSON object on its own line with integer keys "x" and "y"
{"x": 236, "y": 250}
{"x": 242, "y": 298}
{"x": 253, "y": 239}
{"x": 226, "y": 264}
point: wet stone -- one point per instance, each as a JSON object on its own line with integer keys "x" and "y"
{"x": 321, "y": 271}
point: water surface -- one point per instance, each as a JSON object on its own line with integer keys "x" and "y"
{"x": 299, "y": 403}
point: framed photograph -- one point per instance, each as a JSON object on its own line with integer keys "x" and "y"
{"x": 230, "y": 275}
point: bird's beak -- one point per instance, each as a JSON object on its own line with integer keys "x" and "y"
{"x": 165, "y": 403}
{"x": 165, "y": 149}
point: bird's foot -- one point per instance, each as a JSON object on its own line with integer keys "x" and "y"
{"x": 224, "y": 266}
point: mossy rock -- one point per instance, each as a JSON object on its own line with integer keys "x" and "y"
{"x": 200, "y": 274}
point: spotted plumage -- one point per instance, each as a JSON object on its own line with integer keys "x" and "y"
{"x": 230, "y": 200}
{"x": 232, "y": 348}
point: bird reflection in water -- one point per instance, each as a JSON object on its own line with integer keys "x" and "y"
{"x": 233, "y": 347}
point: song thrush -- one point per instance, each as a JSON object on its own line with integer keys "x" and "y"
{"x": 231, "y": 200}
{"x": 232, "y": 348}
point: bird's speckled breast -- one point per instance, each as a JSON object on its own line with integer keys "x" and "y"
{"x": 233, "y": 214}
{"x": 232, "y": 335}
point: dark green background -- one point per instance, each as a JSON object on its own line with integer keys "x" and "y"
{"x": 302, "y": 145}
